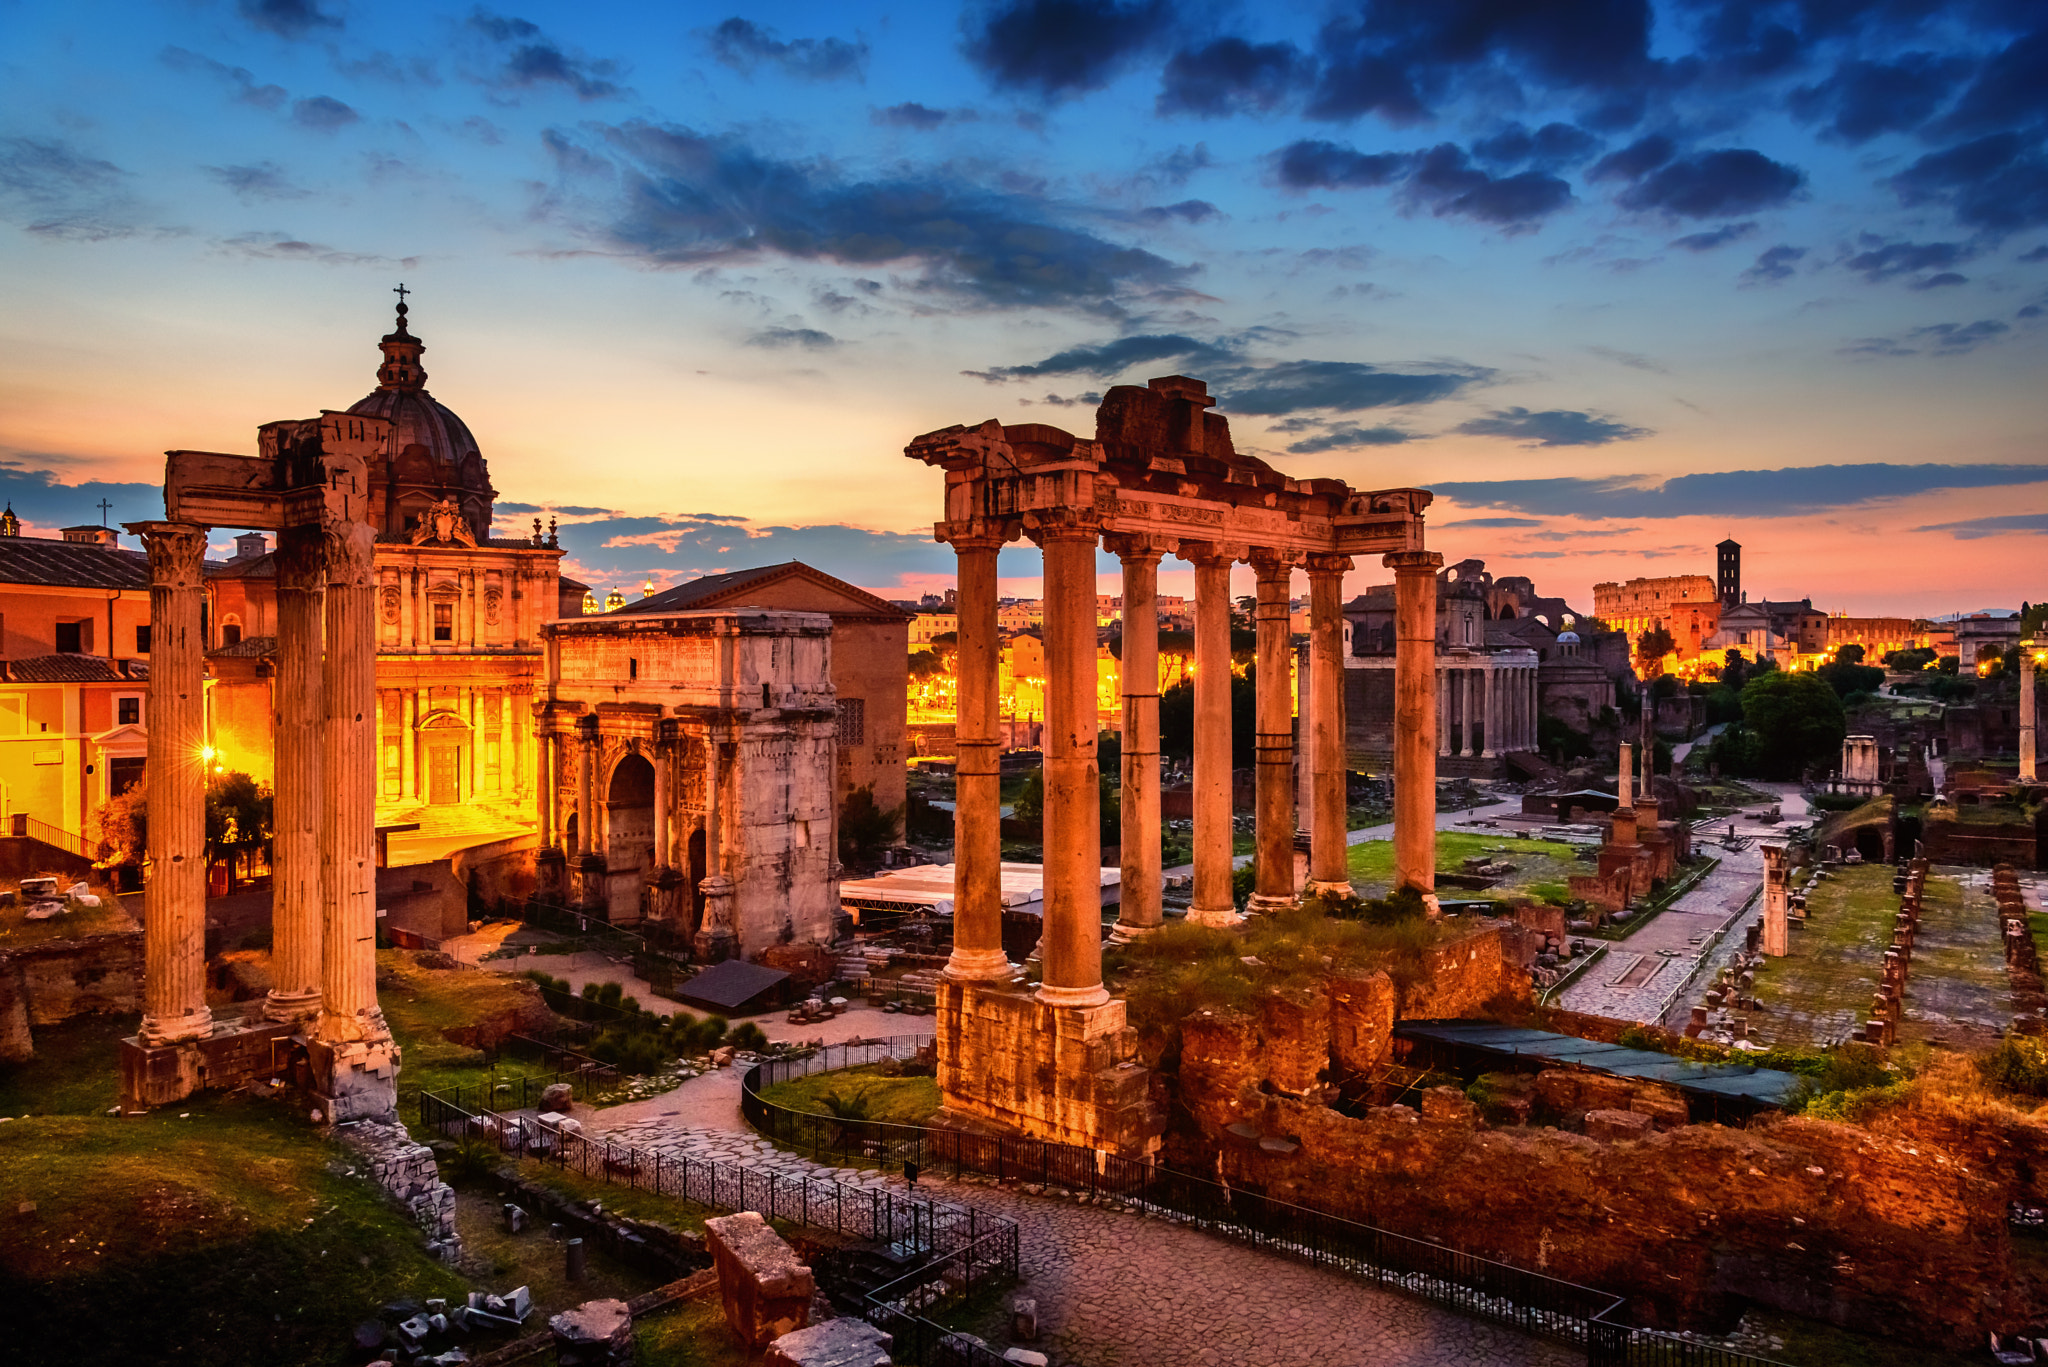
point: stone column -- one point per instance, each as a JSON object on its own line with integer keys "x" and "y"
{"x": 408, "y": 610}
{"x": 1414, "y": 719}
{"x": 1072, "y": 944}
{"x": 471, "y": 784}
{"x": 174, "y": 940}
{"x": 1492, "y": 712}
{"x": 664, "y": 759}
{"x": 717, "y": 937}
{"x": 1138, "y": 907}
{"x": 586, "y": 788}
{"x": 297, "y": 902}
{"x": 1777, "y": 938}
{"x": 1444, "y": 680}
{"x": 1625, "y": 772}
{"x": 977, "y": 812}
{"x": 1468, "y": 734}
{"x": 1273, "y": 736}
{"x": 1212, "y": 904}
{"x": 545, "y": 784}
{"x": 348, "y": 818}
{"x": 1329, "y": 857}
{"x": 2028, "y": 737}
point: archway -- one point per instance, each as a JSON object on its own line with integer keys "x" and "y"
{"x": 629, "y": 836}
{"x": 698, "y": 873}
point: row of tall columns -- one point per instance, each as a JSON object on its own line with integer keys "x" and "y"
{"x": 1273, "y": 736}
{"x": 296, "y": 737}
{"x": 1487, "y": 710}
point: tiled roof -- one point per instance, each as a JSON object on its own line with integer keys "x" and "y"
{"x": 729, "y": 588}
{"x": 248, "y": 648}
{"x": 69, "y": 668}
{"x": 70, "y": 564}
{"x": 262, "y": 566}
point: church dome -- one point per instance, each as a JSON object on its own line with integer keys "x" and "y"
{"x": 432, "y": 455}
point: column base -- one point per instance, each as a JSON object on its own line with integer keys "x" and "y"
{"x": 1338, "y": 888}
{"x": 1219, "y": 917}
{"x": 157, "y": 1031}
{"x": 1260, "y": 905}
{"x": 980, "y": 965}
{"x": 1123, "y": 933}
{"x": 590, "y": 892}
{"x": 291, "y": 1008}
{"x": 232, "y": 1054}
{"x": 354, "y": 1079}
{"x": 715, "y": 946}
{"x": 1084, "y": 997}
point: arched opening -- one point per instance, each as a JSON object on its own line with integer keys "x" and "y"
{"x": 629, "y": 842}
{"x": 698, "y": 873}
{"x": 1507, "y": 612}
{"x": 1870, "y": 844}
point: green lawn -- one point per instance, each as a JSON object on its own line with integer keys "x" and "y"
{"x": 693, "y": 1334}
{"x": 894, "y": 1100}
{"x": 419, "y": 1004}
{"x": 1541, "y": 866}
{"x": 76, "y": 1070}
{"x": 1821, "y": 990}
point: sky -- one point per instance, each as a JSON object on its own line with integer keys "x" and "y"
{"x": 1615, "y": 279}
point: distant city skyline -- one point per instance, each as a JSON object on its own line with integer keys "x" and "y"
{"x": 1615, "y": 280}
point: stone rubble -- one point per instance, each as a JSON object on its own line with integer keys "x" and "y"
{"x": 406, "y": 1170}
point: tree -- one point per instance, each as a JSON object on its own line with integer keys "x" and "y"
{"x": 1847, "y": 673}
{"x": 1177, "y": 719}
{"x": 866, "y": 828}
{"x": 1734, "y": 670}
{"x": 926, "y": 664}
{"x": 122, "y": 828}
{"x": 1791, "y": 721}
{"x": 1652, "y": 646}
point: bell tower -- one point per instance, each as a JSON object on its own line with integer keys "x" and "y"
{"x": 401, "y": 368}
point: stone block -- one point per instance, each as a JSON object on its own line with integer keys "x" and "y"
{"x": 1024, "y": 1357}
{"x": 848, "y": 1342}
{"x": 1600, "y": 1092}
{"x": 557, "y": 1096}
{"x": 1024, "y": 1319}
{"x": 1608, "y": 1126}
{"x": 766, "y": 1290}
{"x": 1666, "y": 1113}
{"x": 594, "y": 1334}
{"x": 1294, "y": 1029}
{"x": 1448, "y": 1105}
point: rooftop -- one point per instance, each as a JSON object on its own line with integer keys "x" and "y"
{"x": 1716, "y": 1081}
{"x": 70, "y": 564}
{"x": 70, "y": 668}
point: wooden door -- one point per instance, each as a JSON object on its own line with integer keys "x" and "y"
{"x": 444, "y": 773}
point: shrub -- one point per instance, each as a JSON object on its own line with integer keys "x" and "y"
{"x": 608, "y": 995}
{"x": 590, "y": 992}
{"x": 2018, "y": 1064}
{"x": 749, "y": 1036}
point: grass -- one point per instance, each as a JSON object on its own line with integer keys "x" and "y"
{"x": 1822, "y": 989}
{"x": 692, "y": 1334}
{"x": 1539, "y": 864}
{"x": 421, "y": 1003}
{"x": 109, "y": 917}
{"x": 632, "y": 1202}
{"x": 891, "y": 1100}
{"x": 76, "y": 1070}
{"x": 228, "y": 1233}
{"x": 1809, "y": 1343}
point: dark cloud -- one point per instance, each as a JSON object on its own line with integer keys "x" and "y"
{"x": 323, "y": 114}
{"x": 533, "y": 59}
{"x": 615, "y": 548}
{"x": 1863, "y": 99}
{"x": 1492, "y": 522}
{"x": 247, "y": 90}
{"x": 692, "y": 200}
{"x": 52, "y": 189}
{"x": 1953, "y": 339}
{"x": 1977, "y": 528}
{"x": 1550, "y": 147}
{"x": 1717, "y": 237}
{"x": 1232, "y": 76}
{"x": 1792, "y": 492}
{"x": 1876, "y": 346}
{"x": 1187, "y": 211}
{"x": 40, "y": 495}
{"x": 1442, "y": 180}
{"x": 1773, "y": 264}
{"x": 1057, "y": 48}
{"x": 1313, "y": 164}
{"x": 1338, "y": 386}
{"x": 2010, "y": 89}
{"x": 1636, "y": 160}
{"x": 280, "y": 247}
{"x": 1088, "y": 400}
{"x": 810, "y": 339}
{"x": 1734, "y": 180}
{"x": 1999, "y": 182}
{"x": 744, "y": 45}
{"x": 263, "y": 180}
{"x": 1108, "y": 359}
{"x": 1552, "y": 427}
{"x": 566, "y": 509}
{"x": 1344, "y": 435}
{"x": 923, "y": 118}
{"x": 2039, "y": 253}
{"x": 1879, "y": 263}
{"x": 1942, "y": 281}
{"x": 286, "y": 18}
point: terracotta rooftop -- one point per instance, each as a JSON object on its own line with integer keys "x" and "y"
{"x": 730, "y": 589}
{"x": 248, "y": 648}
{"x": 70, "y": 564}
{"x": 69, "y": 668}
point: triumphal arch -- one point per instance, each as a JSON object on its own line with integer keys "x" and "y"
{"x": 1160, "y": 478}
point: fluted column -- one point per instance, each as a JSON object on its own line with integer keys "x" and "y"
{"x": 348, "y": 817}
{"x": 545, "y": 784}
{"x": 1139, "y": 907}
{"x": 664, "y": 760}
{"x": 1444, "y": 680}
{"x": 1491, "y": 712}
{"x": 1212, "y": 904}
{"x": 1329, "y": 856}
{"x": 586, "y": 787}
{"x": 1072, "y": 945}
{"x": 2029, "y": 739}
{"x": 717, "y": 937}
{"x": 298, "y": 906}
{"x": 174, "y": 940}
{"x": 1273, "y": 736}
{"x": 1414, "y": 718}
{"x": 977, "y": 810}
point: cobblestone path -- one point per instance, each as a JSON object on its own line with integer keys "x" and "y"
{"x": 1669, "y": 945}
{"x": 1121, "y": 1290}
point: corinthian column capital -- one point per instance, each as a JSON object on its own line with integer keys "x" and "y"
{"x": 177, "y": 550}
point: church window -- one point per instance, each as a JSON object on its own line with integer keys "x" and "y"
{"x": 444, "y": 621}
{"x": 230, "y": 633}
{"x": 128, "y": 711}
{"x": 853, "y": 721}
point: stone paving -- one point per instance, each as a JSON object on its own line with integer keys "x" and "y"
{"x": 1670, "y": 945}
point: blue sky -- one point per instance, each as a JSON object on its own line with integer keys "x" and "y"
{"x": 1616, "y": 279}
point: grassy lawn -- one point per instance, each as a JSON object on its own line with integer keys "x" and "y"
{"x": 1821, "y": 990}
{"x": 693, "y": 1334}
{"x": 1541, "y": 866}
{"x": 421, "y": 1003}
{"x": 225, "y": 1233}
{"x": 894, "y": 1100}
{"x": 76, "y": 1070}
{"x": 631, "y": 1202}
{"x": 1809, "y": 1343}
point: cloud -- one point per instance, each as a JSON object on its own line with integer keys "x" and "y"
{"x": 1552, "y": 427}
{"x": 1493, "y": 522}
{"x": 323, "y": 114}
{"x": 1636, "y": 160}
{"x": 1953, "y": 339}
{"x": 533, "y": 59}
{"x": 1877, "y": 264}
{"x": 1441, "y": 179}
{"x": 1105, "y": 360}
{"x": 1313, "y": 164}
{"x": 52, "y": 189}
{"x": 247, "y": 91}
{"x": 2039, "y": 253}
{"x": 1861, "y": 99}
{"x": 1187, "y": 211}
{"x": 2008, "y": 90}
{"x": 1773, "y": 264}
{"x": 1231, "y": 76}
{"x": 1338, "y": 386}
{"x": 1345, "y": 435}
{"x": 1998, "y": 182}
{"x": 286, "y": 18}
{"x": 693, "y": 200}
{"x": 625, "y": 549}
{"x": 1633, "y": 360}
{"x": 1731, "y": 181}
{"x": 1088, "y": 400}
{"x": 1717, "y": 237}
{"x": 1058, "y": 48}
{"x": 263, "y": 180}
{"x": 40, "y": 496}
{"x": 1550, "y": 147}
{"x": 1976, "y": 528}
{"x": 744, "y": 45}
{"x": 1935, "y": 282}
{"x": 1787, "y": 492}
{"x": 924, "y": 119}
{"x": 810, "y": 339}
{"x": 564, "y": 509}
{"x": 279, "y": 247}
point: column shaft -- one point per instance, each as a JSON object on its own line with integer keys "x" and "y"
{"x": 1414, "y": 718}
{"x": 977, "y": 813}
{"x": 1493, "y": 740}
{"x": 2029, "y": 733}
{"x": 174, "y": 940}
{"x": 1273, "y": 738}
{"x": 1139, "y": 907}
{"x": 1329, "y": 856}
{"x": 1073, "y": 787}
{"x": 348, "y": 818}
{"x": 1212, "y": 903}
{"x": 298, "y": 902}
{"x": 664, "y": 760}
{"x": 1444, "y": 679}
{"x": 544, "y": 782}
{"x": 586, "y": 791}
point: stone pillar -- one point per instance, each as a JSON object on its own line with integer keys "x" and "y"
{"x": 1212, "y": 904}
{"x": 348, "y": 818}
{"x": 1139, "y": 908}
{"x": 1443, "y": 681}
{"x": 1491, "y": 726}
{"x": 586, "y": 788}
{"x": 545, "y": 785}
{"x": 2028, "y": 737}
{"x": 408, "y": 610}
{"x": 1468, "y": 733}
{"x": 1414, "y": 719}
{"x": 1777, "y": 903}
{"x": 664, "y": 759}
{"x": 297, "y": 904}
{"x": 977, "y": 813}
{"x": 1072, "y": 944}
{"x": 174, "y": 939}
{"x": 1329, "y": 857}
{"x": 717, "y": 937}
{"x": 1625, "y": 777}
{"x": 1273, "y": 736}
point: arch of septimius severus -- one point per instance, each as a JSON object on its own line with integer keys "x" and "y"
{"x": 1160, "y": 478}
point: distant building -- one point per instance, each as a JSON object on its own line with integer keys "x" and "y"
{"x": 1728, "y": 572}
{"x": 1685, "y": 605}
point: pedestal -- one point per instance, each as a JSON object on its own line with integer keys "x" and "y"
{"x": 354, "y": 1079}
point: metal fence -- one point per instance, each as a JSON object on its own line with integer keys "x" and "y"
{"x": 520, "y": 1093}
{"x": 56, "y": 836}
{"x": 1481, "y": 1287}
